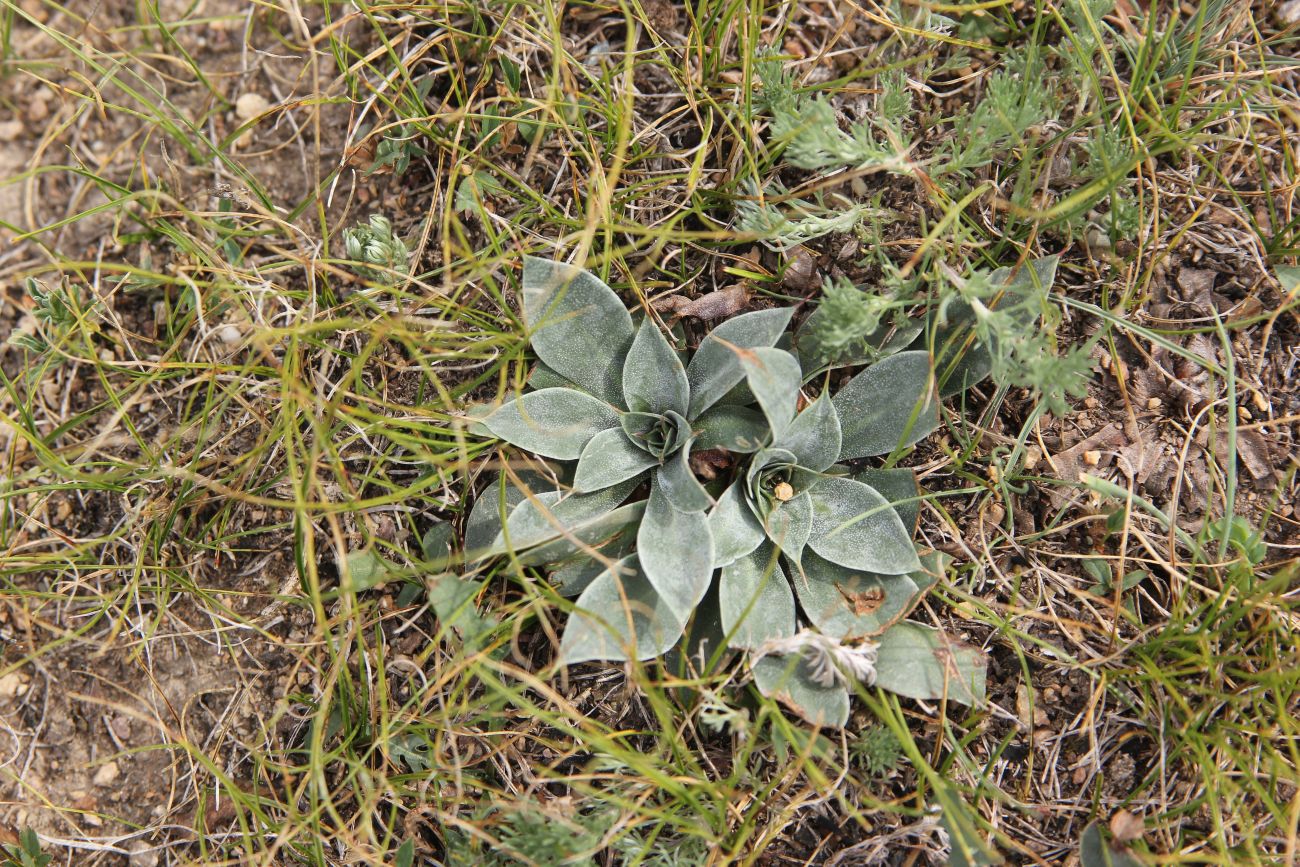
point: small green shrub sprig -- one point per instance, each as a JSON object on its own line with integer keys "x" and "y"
{"x": 374, "y": 243}
{"x": 811, "y": 562}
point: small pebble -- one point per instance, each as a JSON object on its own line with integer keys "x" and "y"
{"x": 106, "y": 774}
{"x": 250, "y": 105}
{"x": 230, "y": 335}
{"x": 12, "y": 685}
{"x": 10, "y": 130}
{"x": 1092, "y": 457}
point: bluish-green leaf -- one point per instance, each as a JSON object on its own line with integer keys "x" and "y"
{"x": 676, "y": 551}
{"x": 774, "y": 377}
{"x": 814, "y": 436}
{"x": 620, "y": 612}
{"x": 899, "y": 487}
{"x": 436, "y": 545}
{"x": 653, "y": 377}
{"x": 553, "y": 422}
{"x": 921, "y": 662}
{"x": 550, "y": 515}
{"x": 579, "y": 327}
{"x": 679, "y": 484}
{"x": 847, "y": 604}
{"x": 855, "y": 526}
{"x": 575, "y": 574}
{"x": 714, "y": 370}
{"x": 452, "y": 600}
{"x": 609, "y": 458}
{"x": 736, "y": 531}
{"x": 790, "y": 524}
{"x": 734, "y": 428}
{"x": 583, "y": 535}
{"x": 888, "y": 405}
{"x": 933, "y": 566}
{"x": 543, "y": 377}
{"x": 485, "y": 518}
{"x": 755, "y": 599}
{"x": 365, "y": 569}
{"x": 787, "y": 679}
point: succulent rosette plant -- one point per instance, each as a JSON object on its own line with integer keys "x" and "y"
{"x": 794, "y": 539}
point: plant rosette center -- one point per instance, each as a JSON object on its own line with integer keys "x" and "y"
{"x": 661, "y": 436}
{"x": 775, "y": 477}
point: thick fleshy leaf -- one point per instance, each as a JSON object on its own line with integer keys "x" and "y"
{"x": 774, "y": 377}
{"x": 553, "y": 422}
{"x": 756, "y": 600}
{"x": 715, "y": 369}
{"x": 787, "y": 679}
{"x": 734, "y": 428}
{"x": 934, "y": 565}
{"x": 501, "y": 496}
{"x": 848, "y": 604}
{"x": 580, "y": 328}
{"x": 543, "y": 377}
{"x": 676, "y": 551}
{"x": 653, "y": 377}
{"x": 679, "y": 484}
{"x": 609, "y": 458}
{"x": 619, "y": 612}
{"x": 576, "y": 574}
{"x": 550, "y": 515}
{"x": 581, "y": 538}
{"x": 855, "y": 526}
{"x": 888, "y": 405}
{"x": 814, "y": 436}
{"x": 735, "y": 530}
{"x": 899, "y": 487}
{"x": 790, "y": 524}
{"x": 921, "y": 662}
